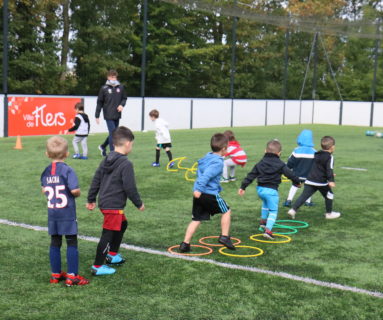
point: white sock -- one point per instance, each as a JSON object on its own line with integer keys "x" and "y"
{"x": 292, "y": 192}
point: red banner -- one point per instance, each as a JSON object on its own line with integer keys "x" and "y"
{"x": 30, "y": 116}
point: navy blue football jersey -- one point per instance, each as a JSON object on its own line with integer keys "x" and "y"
{"x": 58, "y": 179}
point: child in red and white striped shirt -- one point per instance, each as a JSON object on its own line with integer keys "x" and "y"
{"x": 235, "y": 156}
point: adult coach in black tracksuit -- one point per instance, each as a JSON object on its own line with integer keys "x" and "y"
{"x": 111, "y": 100}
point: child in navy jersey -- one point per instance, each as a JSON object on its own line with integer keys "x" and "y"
{"x": 60, "y": 185}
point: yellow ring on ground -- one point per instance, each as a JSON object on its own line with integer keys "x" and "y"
{"x": 186, "y": 176}
{"x": 288, "y": 239}
{"x": 210, "y": 250}
{"x": 216, "y": 245}
{"x": 261, "y": 252}
{"x": 174, "y": 160}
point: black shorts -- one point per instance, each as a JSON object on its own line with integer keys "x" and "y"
{"x": 164, "y": 145}
{"x": 208, "y": 205}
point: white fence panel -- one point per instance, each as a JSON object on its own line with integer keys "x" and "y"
{"x": 175, "y": 111}
{"x": 356, "y": 113}
{"x": 131, "y": 116}
{"x": 306, "y": 111}
{"x": 378, "y": 114}
{"x": 210, "y": 113}
{"x": 292, "y": 111}
{"x": 249, "y": 113}
{"x": 326, "y": 112}
{"x": 274, "y": 112}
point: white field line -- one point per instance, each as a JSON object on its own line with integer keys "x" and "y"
{"x": 285, "y": 275}
{"x": 355, "y": 169}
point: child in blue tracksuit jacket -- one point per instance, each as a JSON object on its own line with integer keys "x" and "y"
{"x": 301, "y": 161}
{"x": 268, "y": 173}
{"x": 206, "y": 199}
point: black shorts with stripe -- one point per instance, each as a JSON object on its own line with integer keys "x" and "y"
{"x": 208, "y": 205}
{"x": 164, "y": 145}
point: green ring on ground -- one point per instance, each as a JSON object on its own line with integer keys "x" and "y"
{"x": 281, "y": 226}
{"x": 278, "y": 226}
{"x": 303, "y": 224}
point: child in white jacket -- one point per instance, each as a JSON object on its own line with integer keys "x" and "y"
{"x": 162, "y": 136}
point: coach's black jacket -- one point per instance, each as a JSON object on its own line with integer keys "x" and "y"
{"x": 268, "y": 172}
{"x": 114, "y": 183}
{"x": 109, "y": 98}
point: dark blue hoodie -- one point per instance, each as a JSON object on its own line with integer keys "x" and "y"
{"x": 301, "y": 159}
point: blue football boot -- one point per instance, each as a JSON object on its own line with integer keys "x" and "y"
{"x": 114, "y": 260}
{"x": 102, "y": 271}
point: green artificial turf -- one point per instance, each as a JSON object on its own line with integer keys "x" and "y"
{"x": 346, "y": 251}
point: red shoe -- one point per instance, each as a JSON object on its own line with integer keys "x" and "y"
{"x": 75, "y": 281}
{"x": 57, "y": 277}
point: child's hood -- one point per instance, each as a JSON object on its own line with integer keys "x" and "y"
{"x": 305, "y": 139}
{"x": 112, "y": 161}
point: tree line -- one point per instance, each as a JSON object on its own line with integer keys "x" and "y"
{"x": 66, "y": 46}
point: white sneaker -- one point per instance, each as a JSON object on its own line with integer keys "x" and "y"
{"x": 292, "y": 213}
{"x": 332, "y": 215}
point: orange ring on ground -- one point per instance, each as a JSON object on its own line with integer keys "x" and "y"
{"x": 210, "y": 250}
{"x": 216, "y": 245}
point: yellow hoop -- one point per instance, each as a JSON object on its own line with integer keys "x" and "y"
{"x": 179, "y": 164}
{"x": 288, "y": 239}
{"x": 216, "y": 245}
{"x": 174, "y": 160}
{"x": 210, "y": 250}
{"x": 261, "y": 252}
{"x": 284, "y": 178}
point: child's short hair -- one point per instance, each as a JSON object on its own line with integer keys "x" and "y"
{"x": 79, "y": 106}
{"x": 230, "y": 135}
{"x": 121, "y": 135}
{"x": 154, "y": 113}
{"x": 218, "y": 142}
{"x": 327, "y": 142}
{"x": 57, "y": 148}
{"x": 273, "y": 146}
{"x": 112, "y": 73}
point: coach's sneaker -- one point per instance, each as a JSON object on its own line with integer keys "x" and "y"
{"x": 155, "y": 164}
{"x": 291, "y": 213}
{"x": 225, "y": 240}
{"x": 72, "y": 280}
{"x": 224, "y": 180}
{"x": 184, "y": 247}
{"x": 115, "y": 260}
{"x": 268, "y": 234}
{"x": 76, "y": 156}
{"x": 57, "y": 277}
{"x": 102, "y": 150}
{"x": 309, "y": 204}
{"x": 102, "y": 271}
{"x": 287, "y": 204}
{"x": 332, "y": 215}
{"x": 231, "y": 179}
{"x": 83, "y": 158}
